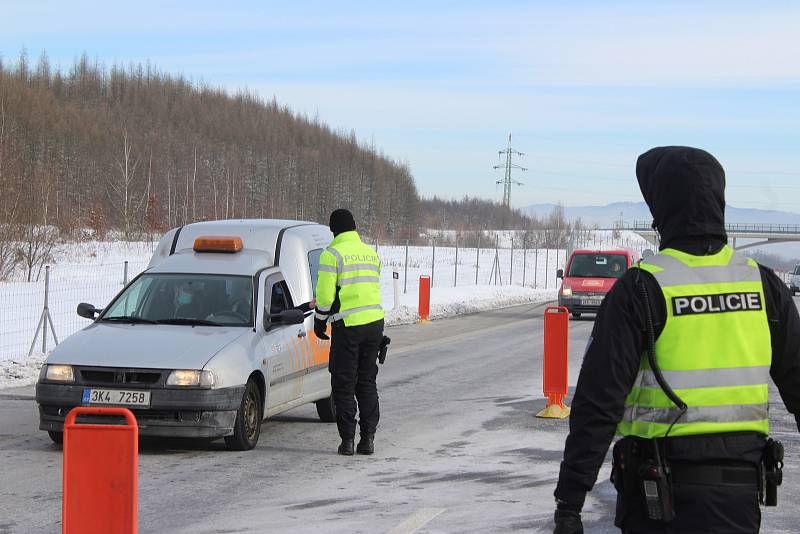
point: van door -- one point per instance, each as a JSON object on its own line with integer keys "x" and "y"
{"x": 284, "y": 346}
{"x": 318, "y": 380}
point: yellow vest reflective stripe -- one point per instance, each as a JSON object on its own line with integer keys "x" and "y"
{"x": 353, "y": 269}
{"x": 714, "y": 351}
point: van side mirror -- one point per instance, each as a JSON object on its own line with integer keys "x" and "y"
{"x": 286, "y": 317}
{"x": 560, "y": 273}
{"x": 293, "y": 316}
{"x": 87, "y": 311}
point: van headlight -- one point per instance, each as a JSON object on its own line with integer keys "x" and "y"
{"x": 57, "y": 373}
{"x": 181, "y": 377}
{"x": 566, "y": 291}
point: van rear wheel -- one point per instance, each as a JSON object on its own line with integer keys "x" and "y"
{"x": 56, "y": 436}
{"x": 326, "y": 409}
{"x": 247, "y": 427}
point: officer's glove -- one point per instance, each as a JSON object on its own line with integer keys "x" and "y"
{"x": 319, "y": 328}
{"x": 568, "y": 522}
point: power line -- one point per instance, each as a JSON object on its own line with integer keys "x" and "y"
{"x": 508, "y": 181}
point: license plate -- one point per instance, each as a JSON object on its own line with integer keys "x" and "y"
{"x": 117, "y": 397}
{"x": 591, "y": 302}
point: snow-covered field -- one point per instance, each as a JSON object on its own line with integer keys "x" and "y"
{"x": 94, "y": 272}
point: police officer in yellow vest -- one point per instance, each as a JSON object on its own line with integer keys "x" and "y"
{"x": 349, "y": 296}
{"x": 717, "y": 326}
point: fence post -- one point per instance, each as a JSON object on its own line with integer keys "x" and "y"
{"x": 433, "y": 260}
{"x": 546, "y": 265}
{"x": 405, "y": 272}
{"x": 478, "y": 258}
{"x": 396, "y": 287}
{"x": 524, "y": 263}
{"x": 125, "y": 274}
{"x": 45, "y": 318}
{"x": 46, "y": 307}
{"x": 455, "y": 270}
{"x": 511, "y": 274}
{"x": 536, "y": 267}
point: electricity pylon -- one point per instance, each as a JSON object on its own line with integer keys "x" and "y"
{"x": 508, "y": 181}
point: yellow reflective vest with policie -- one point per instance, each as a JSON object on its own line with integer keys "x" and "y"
{"x": 348, "y": 284}
{"x": 715, "y": 350}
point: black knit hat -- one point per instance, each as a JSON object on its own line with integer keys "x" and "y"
{"x": 341, "y": 221}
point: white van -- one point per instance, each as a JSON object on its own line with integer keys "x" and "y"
{"x": 214, "y": 336}
{"x": 794, "y": 280}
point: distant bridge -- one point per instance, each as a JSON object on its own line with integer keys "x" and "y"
{"x": 764, "y": 234}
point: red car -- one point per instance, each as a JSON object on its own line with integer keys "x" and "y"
{"x": 590, "y": 275}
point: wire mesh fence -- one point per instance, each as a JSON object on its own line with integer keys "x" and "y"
{"x": 452, "y": 261}
{"x": 23, "y": 328}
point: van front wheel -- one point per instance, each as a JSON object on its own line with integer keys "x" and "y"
{"x": 247, "y": 427}
{"x": 326, "y": 410}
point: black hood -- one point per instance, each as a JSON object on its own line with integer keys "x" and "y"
{"x": 684, "y": 188}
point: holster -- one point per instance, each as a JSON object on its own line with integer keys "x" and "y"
{"x": 770, "y": 473}
{"x": 625, "y": 465}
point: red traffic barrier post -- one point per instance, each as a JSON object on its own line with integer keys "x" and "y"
{"x": 424, "y": 298}
{"x": 101, "y": 467}
{"x": 556, "y": 353}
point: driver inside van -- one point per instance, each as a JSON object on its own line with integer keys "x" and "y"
{"x": 187, "y": 301}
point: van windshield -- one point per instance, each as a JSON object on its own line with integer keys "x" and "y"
{"x": 190, "y": 299}
{"x": 598, "y": 265}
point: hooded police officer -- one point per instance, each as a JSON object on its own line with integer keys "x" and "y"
{"x": 348, "y": 295}
{"x": 721, "y": 326}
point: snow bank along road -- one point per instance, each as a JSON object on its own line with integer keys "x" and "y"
{"x": 458, "y": 450}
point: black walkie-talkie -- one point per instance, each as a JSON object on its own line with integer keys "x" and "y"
{"x": 657, "y": 488}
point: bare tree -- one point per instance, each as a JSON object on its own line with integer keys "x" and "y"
{"x": 35, "y": 248}
{"x": 120, "y": 190}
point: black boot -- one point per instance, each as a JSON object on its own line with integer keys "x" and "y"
{"x": 346, "y": 448}
{"x": 366, "y": 445}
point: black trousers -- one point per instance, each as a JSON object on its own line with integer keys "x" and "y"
{"x": 700, "y": 506}
{"x": 354, "y": 367}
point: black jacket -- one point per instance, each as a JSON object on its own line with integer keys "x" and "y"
{"x": 614, "y": 352}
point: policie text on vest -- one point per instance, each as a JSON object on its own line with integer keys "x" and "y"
{"x": 726, "y": 302}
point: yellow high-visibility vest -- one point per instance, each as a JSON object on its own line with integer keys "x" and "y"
{"x": 353, "y": 268}
{"x": 715, "y": 350}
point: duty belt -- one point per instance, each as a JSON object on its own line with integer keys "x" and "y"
{"x": 714, "y": 475}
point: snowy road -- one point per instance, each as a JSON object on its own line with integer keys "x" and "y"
{"x": 458, "y": 450}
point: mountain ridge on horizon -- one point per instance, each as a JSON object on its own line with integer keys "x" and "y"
{"x": 607, "y": 215}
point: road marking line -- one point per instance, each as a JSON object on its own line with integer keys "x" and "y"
{"x": 417, "y": 520}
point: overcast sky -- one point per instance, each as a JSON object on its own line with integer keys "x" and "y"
{"x": 584, "y": 87}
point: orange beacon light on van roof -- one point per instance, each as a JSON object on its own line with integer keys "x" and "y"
{"x": 230, "y": 244}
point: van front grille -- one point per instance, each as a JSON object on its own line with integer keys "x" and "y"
{"x": 106, "y": 376}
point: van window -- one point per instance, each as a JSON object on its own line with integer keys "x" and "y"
{"x": 598, "y": 265}
{"x": 313, "y": 267}
{"x": 280, "y": 299}
{"x": 164, "y": 298}
{"x": 797, "y": 269}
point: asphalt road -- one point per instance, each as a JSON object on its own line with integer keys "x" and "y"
{"x": 458, "y": 450}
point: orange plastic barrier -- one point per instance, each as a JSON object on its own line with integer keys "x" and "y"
{"x": 424, "y": 298}
{"x": 101, "y": 466}
{"x": 556, "y": 352}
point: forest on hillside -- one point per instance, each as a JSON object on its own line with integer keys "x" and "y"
{"x": 137, "y": 151}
